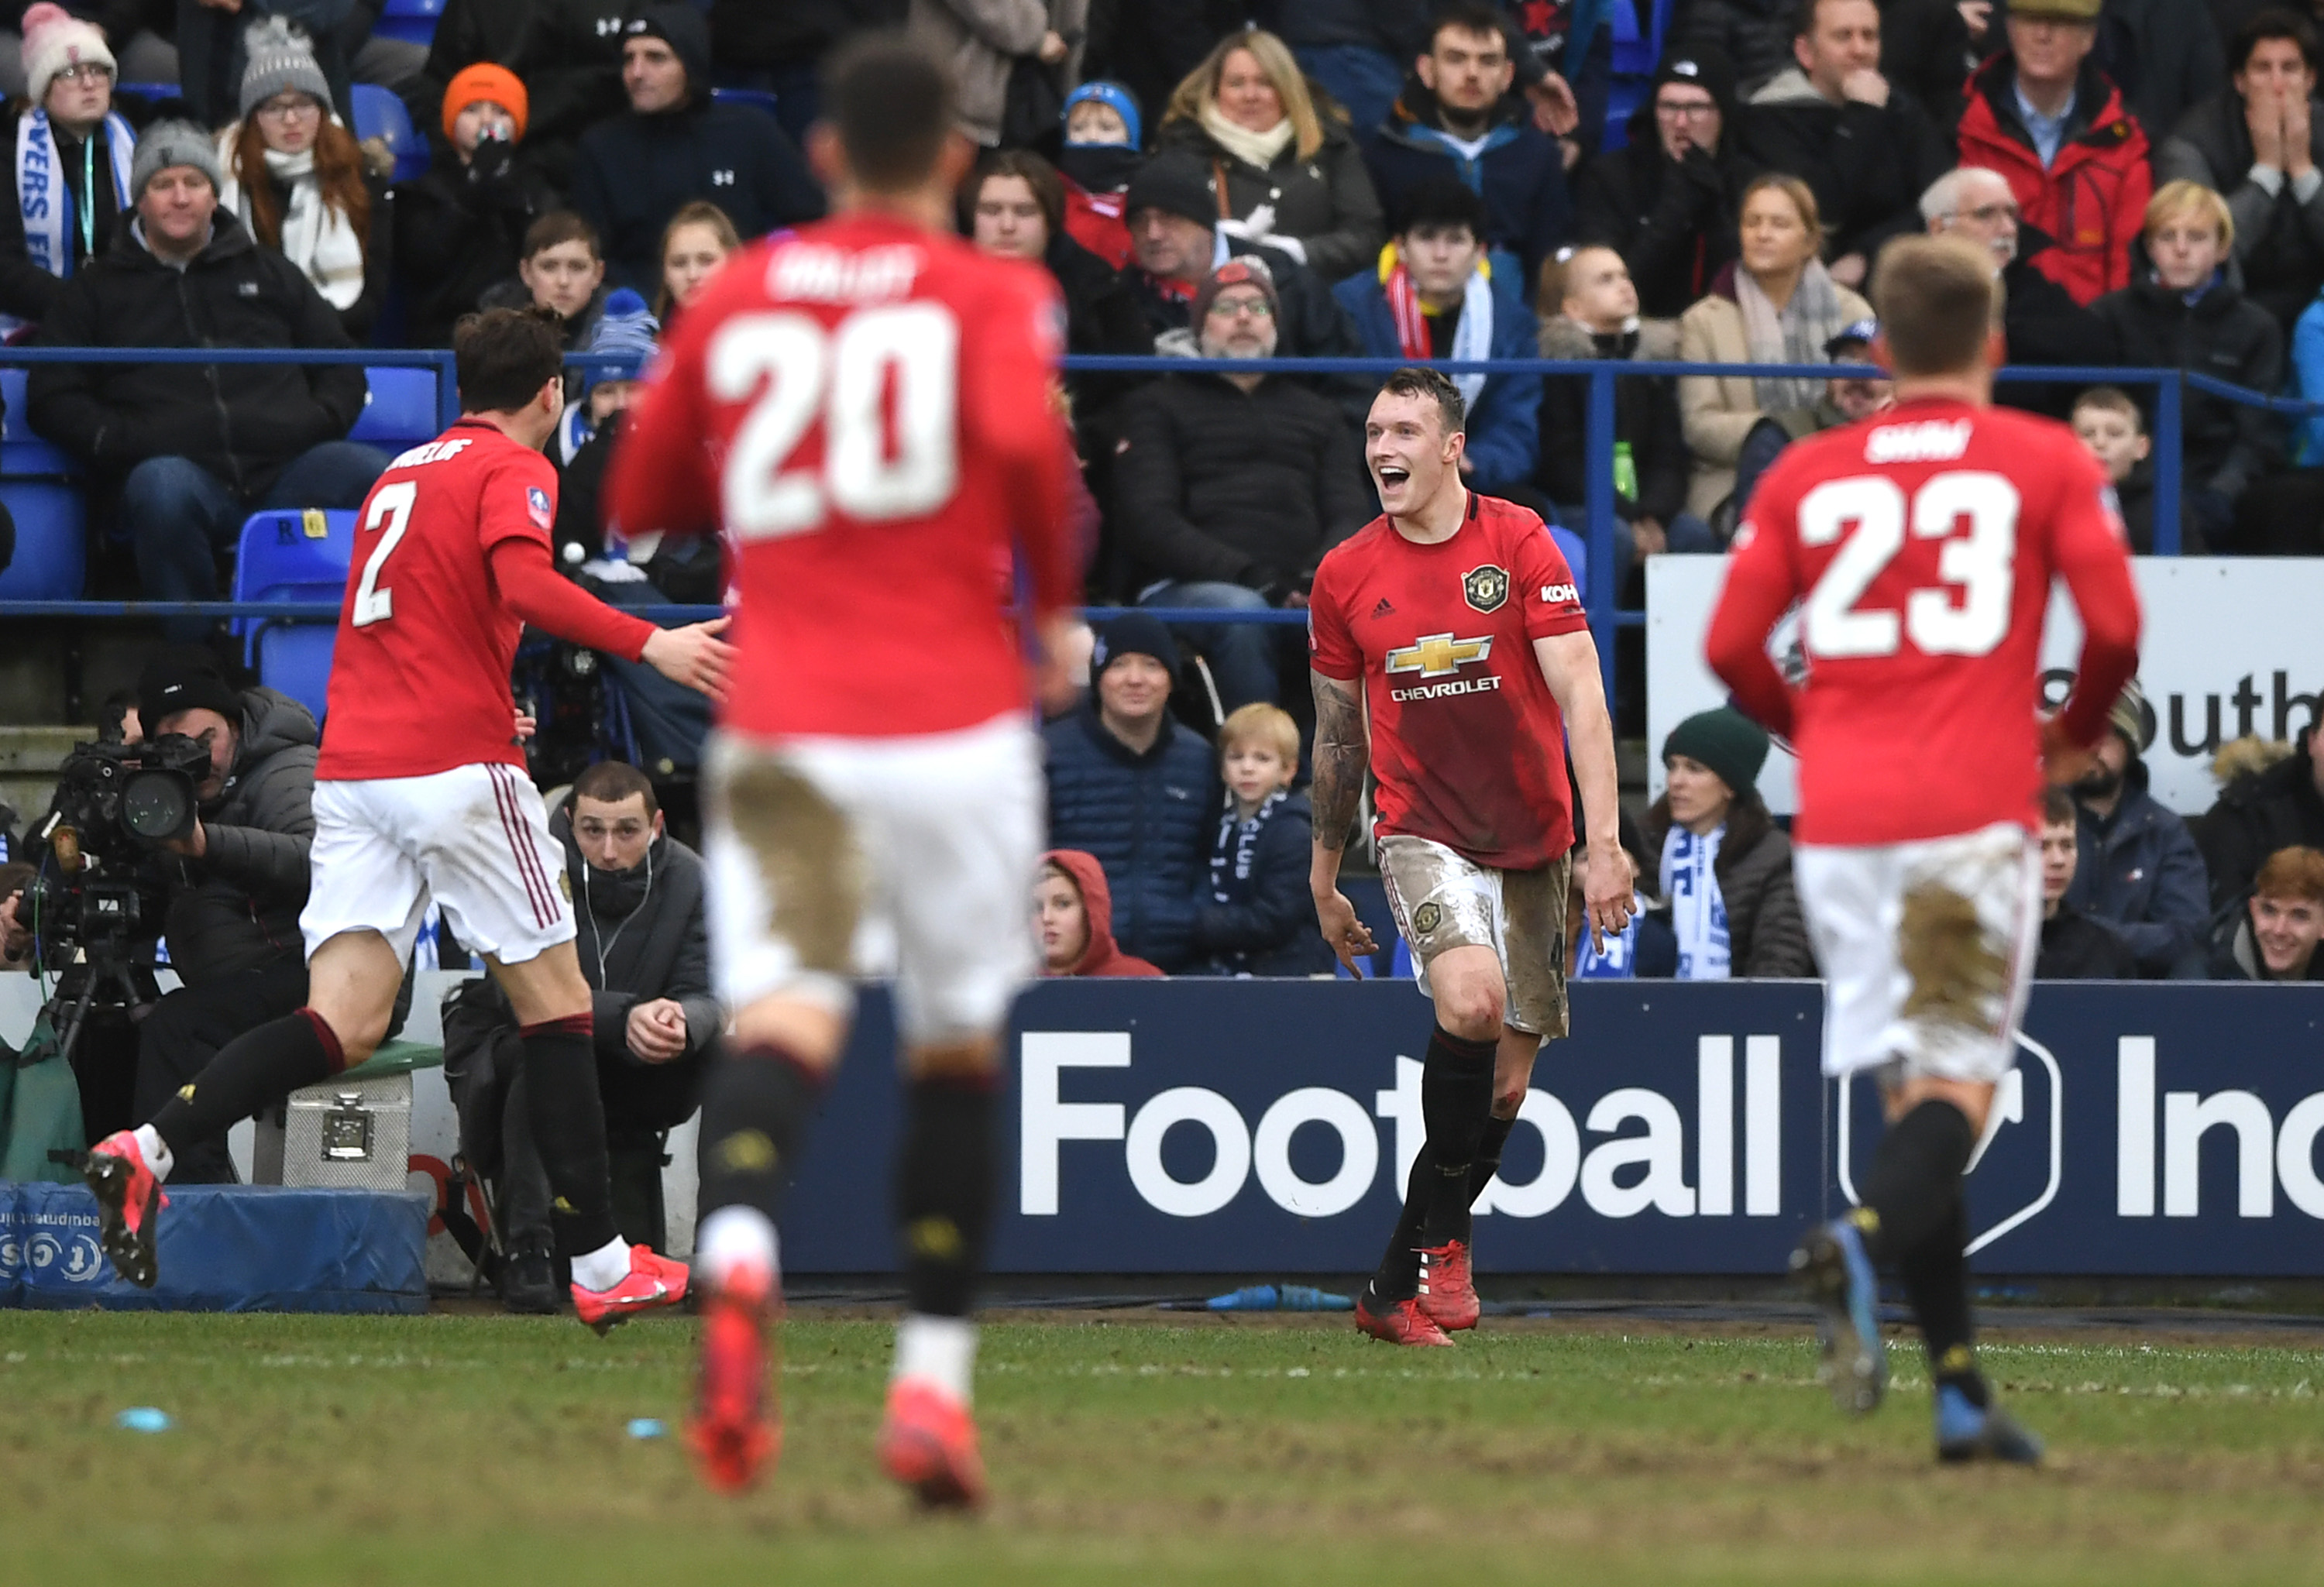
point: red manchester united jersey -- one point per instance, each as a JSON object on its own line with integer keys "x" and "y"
{"x": 1920, "y": 548}
{"x": 870, "y": 411}
{"x": 1467, "y": 745}
{"x": 420, "y": 677}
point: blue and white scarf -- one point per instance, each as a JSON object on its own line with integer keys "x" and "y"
{"x": 1698, "y": 911}
{"x": 44, "y": 195}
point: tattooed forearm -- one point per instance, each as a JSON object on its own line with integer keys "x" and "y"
{"x": 1343, "y": 752}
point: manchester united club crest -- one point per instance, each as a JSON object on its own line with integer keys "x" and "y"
{"x": 1486, "y": 587}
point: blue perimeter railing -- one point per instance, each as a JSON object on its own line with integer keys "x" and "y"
{"x": 1598, "y": 533}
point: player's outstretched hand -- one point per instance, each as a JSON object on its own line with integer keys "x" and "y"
{"x": 2063, "y": 762}
{"x": 1054, "y": 687}
{"x": 1349, "y": 938}
{"x": 694, "y": 656}
{"x": 1608, "y": 888}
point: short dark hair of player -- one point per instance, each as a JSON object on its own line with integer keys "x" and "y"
{"x": 1442, "y": 204}
{"x": 891, "y": 101}
{"x": 1937, "y": 301}
{"x": 505, "y": 355}
{"x": 2058, "y": 807}
{"x": 558, "y": 227}
{"x": 1037, "y": 173}
{"x": 2274, "y": 22}
{"x": 1464, "y": 16}
{"x": 1417, "y": 381}
{"x": 614, "y": 783}
{"x": 2112, "y": 400}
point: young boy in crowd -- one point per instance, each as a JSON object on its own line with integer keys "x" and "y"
{"x": 1101, "y": 154}
{"x": 1257, "y": 916}
{"x": 563, "y": 270}
{"x": 2109, "y": 424}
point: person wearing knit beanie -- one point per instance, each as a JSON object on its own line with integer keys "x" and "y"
{"x": 281, "y": 62}
{"x": 1236, "y": 272}
{"x": 682, "y": 26}
{"x": 1724, "y": 743}
{"x": 55, "y": 39}
{"x": 487, "y": 84}
{"x": 168, "y": 144}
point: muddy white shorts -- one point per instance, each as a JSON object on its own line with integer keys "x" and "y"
{"x": 1927, "y": 949}
{"x": 833, "y": 858}
{"x": 475, "y": 839}
{"x": 1442, "y": 900}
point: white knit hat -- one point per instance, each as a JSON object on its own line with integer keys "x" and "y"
{"x": 54, "y": 38}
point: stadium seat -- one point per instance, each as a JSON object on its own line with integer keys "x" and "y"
{"x": 293, "y": 556}
{"x": 22, "y": 454}
{"x": 762, "y": 97}
{"x": 1638, "y": 48}
{"x": 414, "y": 20}
{"x": 379, "y": 114}
{"x": 1576, "y": 552}
{"x": 399, "y": 409}
{"x": 52, "y": 559}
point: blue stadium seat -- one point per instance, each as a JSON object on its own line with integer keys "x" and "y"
{"x": 379, "y": 114}
{"x": 762, "y": 97}
{"x": 400, "y": 411}
{"x": 51, "y": 560}
{"x": 1638, "y": 48}
{"x": 22, "y": 454}
{"x": 293, "y": 556}
{"x": 409, "y": 19}
{"x": 1576, "y": 551}
{"x": 152, "y": 93}
{"x": 1623, "y": 98}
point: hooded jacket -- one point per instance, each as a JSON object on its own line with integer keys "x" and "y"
{"x": 2092, "y": 199}
{"x": 1520, "y": 172}
{"x": 1645, "y": 419}
{"x": 459, "y": 232}
{"x": 1326, "y": 200}
{"x": 2256, "y": 815}
{"x": 1676, "y": 224}
{"x": 1257, "y": 916}
{"x": 1867, "y": 164}
{"x": 236, "y": 907}
{"x": 2142, "y": 878}
{"x": 242, "y": 422}
{"x": 1145, "y": 817}
{"x": 2223, "y": 335}
{"x": 1101, "y": 956}
{"x": 1502, "y": 442}
{"x": 1755, "y": 34}
{"x": 1765, "y": 934}
{"x": 2279, "y": 235}
{"x": 2235, "y": 956}
{"x": 642, "y": 934}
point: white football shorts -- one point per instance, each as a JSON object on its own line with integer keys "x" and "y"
{"x": 475, "y": 839}
{"x": 834, "y": 858}
{"x": 1927, "y": 949}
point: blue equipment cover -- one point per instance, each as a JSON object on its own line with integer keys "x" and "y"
{"x": 225, "y": 1248}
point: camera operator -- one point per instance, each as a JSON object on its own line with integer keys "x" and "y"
{"x": 235, "y": 883}
{"x": 644, "y": 948}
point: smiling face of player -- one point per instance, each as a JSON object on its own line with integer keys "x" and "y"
{"x": 1699, "y": 796}
{"x": 1413, "y": 462}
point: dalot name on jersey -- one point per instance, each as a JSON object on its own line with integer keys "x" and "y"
{"x": 803, "y": 274}
{"x": 1933, "y": 441}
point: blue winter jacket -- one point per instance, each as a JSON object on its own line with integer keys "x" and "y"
{"x": 2141, "y": 877}
{"x": 1520, "y": 174}
{"x": 1503, "y": 426}
{"x": 1257, "y": 916}
{"x": 1146, "y": 818}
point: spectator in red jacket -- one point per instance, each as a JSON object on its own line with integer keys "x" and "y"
{"x": 1072, "y": 912}
{"x": 2055, "y": 125}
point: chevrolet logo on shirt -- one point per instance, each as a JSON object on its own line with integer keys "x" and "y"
{"x": 1439, "y": 655}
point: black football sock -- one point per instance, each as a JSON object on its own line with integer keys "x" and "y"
{"x": 1915, "y": 1181}
{"x": 260, "y": 1066}
{"x": 1935, "y": 1275}
{"x": 1487, "y": 1164}
{"x": 944, "y": 1190}
{"x": 755, "y": 1109}
{"x": 1456, "y": 1104}
{"x": 568, "y": 1130}
{"x": 1398, "y": 1275}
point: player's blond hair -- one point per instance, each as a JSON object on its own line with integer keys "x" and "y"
{"x": 1268, "y": 726}
{"x": 2173, "y": 199}
{"x": 1937, "y": 299}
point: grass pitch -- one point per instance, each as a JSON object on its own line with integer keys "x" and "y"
{"x": 452, "y": 1450}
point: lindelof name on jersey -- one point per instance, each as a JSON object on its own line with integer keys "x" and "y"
{"x": 1930, "y": 440}
{"x": 1442, "y": 655}
{"x": 433, "y": 452}
{"x": 805, "y": 273}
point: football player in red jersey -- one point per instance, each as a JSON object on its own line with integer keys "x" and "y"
{"x": 869, "y": 408}
{"x": 420, "y": 791}
{"x": 1920, "y": 546}
{"x": 1454, "y": 623}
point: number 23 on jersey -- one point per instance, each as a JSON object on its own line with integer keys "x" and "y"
{"x": 1964, "y": 612}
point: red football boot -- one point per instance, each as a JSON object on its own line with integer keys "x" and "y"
{"x": 1446, "y": 1292}
{"x": 928, "y": 1444}
{"x": 1402, "y": 1322}
{"x": 129, "y": 1200}
{"x": 736, "y": 1428}
{"x": 653, "y": 1281}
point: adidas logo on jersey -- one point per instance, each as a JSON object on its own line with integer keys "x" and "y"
{"x": 1935, "y": 441}
{"x": 1385, "y": 608}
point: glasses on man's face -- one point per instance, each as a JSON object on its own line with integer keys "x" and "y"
{"x": 1990, "y": 214}
{"x": 290, "y": 109}
{"x": 1255, "y": 308}
{"x": 87, "y": 71}
{"x": 1685, "y": 112}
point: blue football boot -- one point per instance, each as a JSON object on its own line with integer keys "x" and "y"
{"x": 1965, "y": 1432}
{"x": 1831, "y": 1264}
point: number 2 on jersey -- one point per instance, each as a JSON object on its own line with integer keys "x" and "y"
{"x": 390, "y": 508}
{"x": 1979, "y": 568}
{"x": 842, "y": 377}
